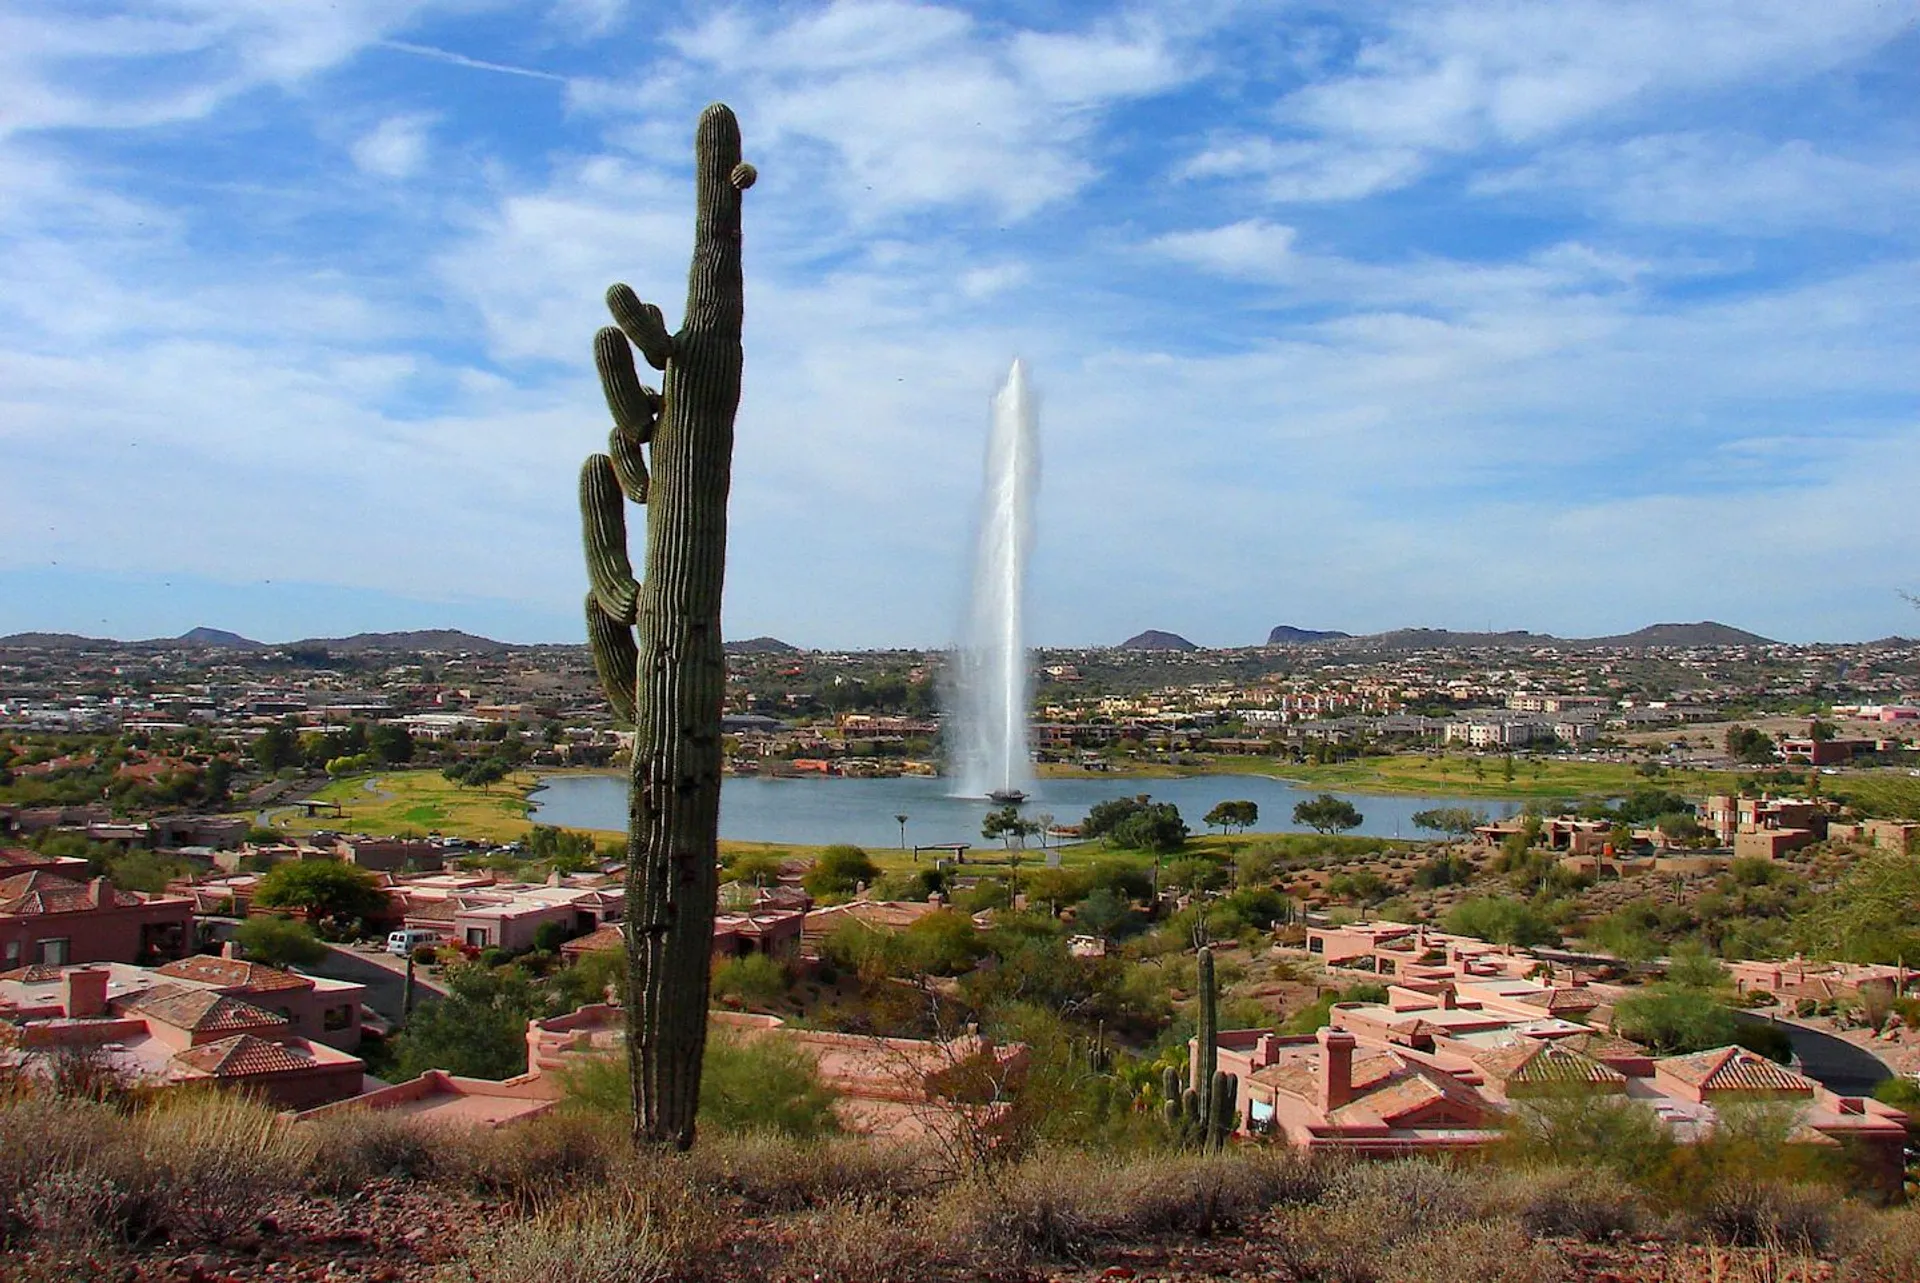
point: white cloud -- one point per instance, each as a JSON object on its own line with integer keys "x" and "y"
{"x": 1726, "y": 181}
{"x": 395, "y": 147}
{"x": 1435, "y": 81}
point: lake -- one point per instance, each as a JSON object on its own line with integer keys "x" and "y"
{"x": 822, "y": 810}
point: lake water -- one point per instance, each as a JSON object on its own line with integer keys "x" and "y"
{"x": 817, "y": 811}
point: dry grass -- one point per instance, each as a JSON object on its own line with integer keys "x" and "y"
{"x": 86, "y": 1187}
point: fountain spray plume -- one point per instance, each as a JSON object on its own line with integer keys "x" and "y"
{"x": 994, "y": 687}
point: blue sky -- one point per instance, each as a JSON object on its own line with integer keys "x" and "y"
{"x": 1569, "y": 316}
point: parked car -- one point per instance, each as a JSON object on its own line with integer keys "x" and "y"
{"x": 402, "y": 943}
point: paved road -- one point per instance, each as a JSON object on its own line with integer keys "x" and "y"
{"x": 383, "y": 975}
{"x": 1831, "y": 1061}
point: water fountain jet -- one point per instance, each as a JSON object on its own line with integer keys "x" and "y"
{"x": 993, "y": 687}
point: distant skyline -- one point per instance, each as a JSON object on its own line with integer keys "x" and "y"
{"x": 1482, "y": 316}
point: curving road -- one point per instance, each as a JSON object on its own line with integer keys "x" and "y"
{"x": 1832, "y": 1061}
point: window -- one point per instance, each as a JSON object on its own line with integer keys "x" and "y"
{"x": 335, "y": 1018}
{"x": 477, "y": 937}
{"x": 53, "y": 953}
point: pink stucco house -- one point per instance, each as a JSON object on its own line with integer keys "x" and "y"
{"x": 50, "y": 920}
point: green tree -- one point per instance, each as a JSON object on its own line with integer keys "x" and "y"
{"x": 1009, "y": 826}
{"x": 279, "y": 942}
{"x": 324, "y": 888}
{"x": 1104, "y": 817}
{"x": 1871, "y": 915}
{"x": 1102, "y": 913}
{"x": 1455, "y": 821}
{"x": 1155, "y": 827}
{"x": 479, "y": 1030}
{"x": 1500, "y": 919}
{"x": 1674, "y": 1021}
{"x": 391, "y": 744}
{"x": 1750, "y": 745}
{"x": 275, "y": 748}
{"x": 839, "y": 871}
{"x": 1327, "y": 814}
{"x": 1240, "y": 814}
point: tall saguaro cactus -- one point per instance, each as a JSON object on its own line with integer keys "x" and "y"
{"x": 671, "y": 679}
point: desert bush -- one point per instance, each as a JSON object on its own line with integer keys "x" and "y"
{"x": 535, "y": 1159}
{"x": 1589, "y": 1129}
{"x": 1742, "y": 1213}
{"x": 1060, "y": 1204}
{"x": 43, "y": 1138}
{"x": 755, "y": 980}
{"x": 1485, "y": 1251}
{"x": 746, "y": 1085}
{"x": 774, "y": 1173}
{"x": 1592, "y": 1206}
{"x": 348, "y": 1148}
{"x": 200, "y": 1165}
{"x": 602, "y": 1238}
{"x": 1882, "y": 1248}
{"x": 854, "y": 1240}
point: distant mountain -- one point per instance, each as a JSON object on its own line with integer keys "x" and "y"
{"x": 1704, "y": 633}
{"x": 54, "y": 641}
{"x": 204, "y": 636}
{"x": 761, "y": 646}
{"x": 424, "y": 639}
{"x": 1154, "y": 639}
{"x": 1446, "y": 639}
{"x": 1288, "y": 635}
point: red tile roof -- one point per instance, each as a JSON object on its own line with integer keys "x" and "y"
{"x": 1733, "y": 1069}
{"x": 234, "y": 973}
{"x": 243, "y": 1056}
{"x": 201, "y": 1010}
{"x": 1530, "y": 1062}
{"x": 27, "y": 894}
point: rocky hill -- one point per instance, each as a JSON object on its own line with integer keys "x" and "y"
{"x": 1154, "y": 639}
{"x": 761, "y": 646}
{"x": 1288, "y": 635}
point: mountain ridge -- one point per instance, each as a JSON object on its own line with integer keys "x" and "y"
{"x": 1156, "y": 639}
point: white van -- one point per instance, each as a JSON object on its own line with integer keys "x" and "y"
{"x": 402, "y": 943}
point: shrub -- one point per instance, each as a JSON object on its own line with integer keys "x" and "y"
{"x": 201, "y": 1164}
{"x": 279, "y": 942}
{"x": 1744, "y": 1213}
{"x": 772, "y": 1173}
{"x": 839, "y": 871}
{"x": 755, "y": 980}
{"x": 855, "y": 1240}
{"x": 600, "y": 1238}
{"x": 348, "y": 1148}
{"x": 538, "y": 1158}
{"x": 1589, "y": 1205}
{"x": 1674, "y": 1021}
{"x": 747, "y": 1084}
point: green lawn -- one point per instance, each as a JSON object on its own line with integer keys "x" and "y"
{"x": 1471, "y": 776}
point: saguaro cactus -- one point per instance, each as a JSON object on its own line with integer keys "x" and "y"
{"x": 671, "y": 679}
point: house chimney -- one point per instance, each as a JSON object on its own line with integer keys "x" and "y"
{"x": 85, "y": 992}
{"x": 99, "y": 893}
{"x": 1448, "y": 998}
{"x": 1336, "y": 1068}
{"x": 229, "y": 950}
{"x": 1266, "y": 1050}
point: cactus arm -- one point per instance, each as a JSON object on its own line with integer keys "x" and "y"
{"x": 635, "y": 406}
{"x": 629, "y": 465}
{"x": 615, "y": 656}
{"x": 643, "y": 323}
{"x": 603, "y": 528}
